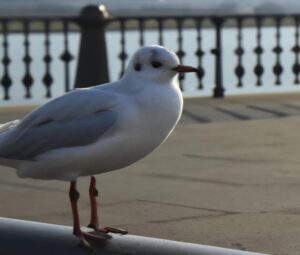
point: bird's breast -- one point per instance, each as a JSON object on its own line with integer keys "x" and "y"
{"x": 152, "y": 118}
{"x": 144, "y": 126}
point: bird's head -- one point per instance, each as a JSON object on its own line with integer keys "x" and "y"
{"x": 156, "y": 63}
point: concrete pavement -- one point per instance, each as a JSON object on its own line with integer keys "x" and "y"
{"x": 228, "y": 181}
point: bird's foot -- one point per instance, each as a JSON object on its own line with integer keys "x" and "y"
{"x": 107, "y": 230}
{"x": 85, "y": 243}
{"x": 84, "y": 236}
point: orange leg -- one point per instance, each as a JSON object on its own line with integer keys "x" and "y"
{"x": 74, "y": 196}
{"x": 93, "y": 192}
{"x": 94, "y": 223}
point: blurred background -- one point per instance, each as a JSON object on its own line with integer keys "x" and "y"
{"x": 229, "y": 174}
{"x": 258, "y": 38}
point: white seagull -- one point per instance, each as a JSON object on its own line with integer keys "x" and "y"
{"x": 98, "y": 129}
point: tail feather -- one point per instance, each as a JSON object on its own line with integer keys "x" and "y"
{"x": 3, "y": 129}
{"x": 8, "y": 125}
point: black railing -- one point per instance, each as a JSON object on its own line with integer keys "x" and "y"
{"x": 26, "y": 27}
{"x": 93, "y": 67}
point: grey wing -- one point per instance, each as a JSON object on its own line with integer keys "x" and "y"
{"x": 51, "y": 134}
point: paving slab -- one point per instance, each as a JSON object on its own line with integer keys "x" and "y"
{"x": 242, "y": 107}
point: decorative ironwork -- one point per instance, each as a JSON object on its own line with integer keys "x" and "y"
{"x": 278, "y": 69}
{"x": 217, "y": 51}
{"x": 180, "y": 53}
{"x": 66, "y": 56}
{"x": 199, "y": 53}
{"x": 258, "y": 69}
{"x": 296, "y": 50}
{"x": 5, "y": 80}
{"x": 141, "y": 25}
{"x": 47, "y": 79}
{"x": 123, "y": 55}
{"x": 27, "y": 78}
{"x": 239, "y": 51}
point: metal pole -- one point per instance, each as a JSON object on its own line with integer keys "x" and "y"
{"x": 19, "y": 237}
{"x": 219, "y": 89}
{"x": 92, "y": 67}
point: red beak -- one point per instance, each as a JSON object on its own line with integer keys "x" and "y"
{"x": 185, "y": 69}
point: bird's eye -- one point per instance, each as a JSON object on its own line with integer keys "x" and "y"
{"x": 156, "y": 64}
{"x": 138, "y": 67}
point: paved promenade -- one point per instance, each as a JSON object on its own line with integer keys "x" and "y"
{"x": 228, "y": 176}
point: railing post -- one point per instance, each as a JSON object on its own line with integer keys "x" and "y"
{"x": 92, "y": 65}
{"x": 218, "y": 91}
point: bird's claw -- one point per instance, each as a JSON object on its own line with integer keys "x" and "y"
{"x": 107, "y": 230}
{"x": 85, "y": 243}
{"x": 116, "y": 230}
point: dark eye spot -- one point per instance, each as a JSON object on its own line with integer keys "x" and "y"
{"x": 137, "y": 67}
{"x": 156, "y": 64}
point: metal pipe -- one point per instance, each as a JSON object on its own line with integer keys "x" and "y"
{"x": 20, "y": 237}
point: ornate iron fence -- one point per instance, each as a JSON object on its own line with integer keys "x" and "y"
{"x": 26, "y": 26}
{"x": 92, "y": 64}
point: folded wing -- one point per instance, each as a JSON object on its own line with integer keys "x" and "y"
{"x": 76, "y": 119}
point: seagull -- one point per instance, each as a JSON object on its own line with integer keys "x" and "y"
{"x": 98, "y": 129}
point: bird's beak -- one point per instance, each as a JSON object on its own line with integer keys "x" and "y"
{"x": 185, "y": 69}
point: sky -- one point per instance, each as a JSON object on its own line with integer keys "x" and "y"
{"x": 158, "y": 7}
